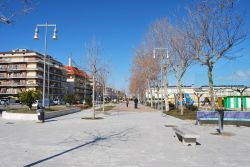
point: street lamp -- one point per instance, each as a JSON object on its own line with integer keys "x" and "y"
{"x": 36, "y": 36}
{"x": 161, "y": 58}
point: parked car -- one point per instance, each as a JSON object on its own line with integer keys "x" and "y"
{"x": 37, "y": 102}
{"x": 4, "y": 101}
{"x": 58, "y": 101}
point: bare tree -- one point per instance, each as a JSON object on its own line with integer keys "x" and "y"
{"x": 198, "y": 93}
{"x": 137, "y": 84}
{"x": 93, "y": 52}
{"x": 103, "y": 79}
{"x": 214, "y": 30}
{"x": 180, "y": 56}
{"x": 147, "y": 66}
{"x": 241, "y": 90}
{"x": 9, "y": 9}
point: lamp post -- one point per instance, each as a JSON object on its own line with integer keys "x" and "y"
{"x": 161, "y": 60}
{"x": 36, "y": 36}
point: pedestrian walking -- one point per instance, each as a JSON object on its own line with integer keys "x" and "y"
{"x": 136, "y": 102}
{"x": 127, "y": 102}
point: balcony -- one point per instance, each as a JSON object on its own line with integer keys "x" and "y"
{"x": 19, "y": 76}
{"x": 18, "y": 68}
{"x": 24, "y": 60}
{"x": 9, "y": 91}
{"x": 19, "y": 85}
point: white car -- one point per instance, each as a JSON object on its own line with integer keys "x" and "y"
{"x": 57, "y": 102}
{"x": 37, "y": 102}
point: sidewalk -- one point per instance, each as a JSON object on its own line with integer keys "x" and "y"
{"x": 141, "y": 108}
{"x": 121, "y": 139}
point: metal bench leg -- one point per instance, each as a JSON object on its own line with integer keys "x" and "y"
{"x": 189, "y": 141}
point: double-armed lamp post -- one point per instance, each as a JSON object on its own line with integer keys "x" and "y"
{"x": 36, "y": 36}
{"x": 161, "y": 60}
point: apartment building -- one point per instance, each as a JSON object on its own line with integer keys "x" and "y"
{"x": 78, "y": 82}
{"x": 22, "y": 70}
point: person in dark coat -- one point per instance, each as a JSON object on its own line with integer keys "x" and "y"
{"x": 136, "y": 102}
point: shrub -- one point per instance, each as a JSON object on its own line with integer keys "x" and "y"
{"x": 70, "y": 98}
{"x": 88, "y": 100}
{"x": 29, "y": 97}
{"x": 192, "y": 107}
{"x": 171, "y": 106}
{"x": 77, "y": 99}
{"x": 83, "y": 106}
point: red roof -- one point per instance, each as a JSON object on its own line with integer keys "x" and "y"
{"x": 75, "y": 71}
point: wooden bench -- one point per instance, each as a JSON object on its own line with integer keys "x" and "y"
{"x": 187, "y": 136}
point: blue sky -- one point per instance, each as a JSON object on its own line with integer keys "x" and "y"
{"x": 119, "y": 26}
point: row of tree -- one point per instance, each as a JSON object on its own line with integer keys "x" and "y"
{"x": 208, "y": 32}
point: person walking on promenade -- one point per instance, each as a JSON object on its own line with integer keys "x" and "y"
{"x": 127, "y": 102}
{"x": 136, "y": 102}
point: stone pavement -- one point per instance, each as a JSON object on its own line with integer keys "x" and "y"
{"x": 121, "y": 139}
{"x": 130, "y": 108}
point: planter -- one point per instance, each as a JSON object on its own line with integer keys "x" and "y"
{"x": 34, "y": 117}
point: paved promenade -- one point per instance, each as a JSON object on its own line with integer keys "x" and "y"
{"x": 124, "y": 138}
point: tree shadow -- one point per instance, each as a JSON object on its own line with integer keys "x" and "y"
{"x": 51, "y": 120}
{"x": 121, "y": 136}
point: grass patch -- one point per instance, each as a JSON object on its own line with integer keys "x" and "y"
{"x": 91, "y": 118}
{"x": 21, "y": 110}
{"x": 188, "y": 114}
{"x": 106, "y": 108}
{"x": 33, "y": 110}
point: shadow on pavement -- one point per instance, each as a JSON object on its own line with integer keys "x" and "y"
{"x": 170, "y": 126}
{"x": 96, "y": 139}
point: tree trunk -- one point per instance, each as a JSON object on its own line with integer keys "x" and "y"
{"x": 198, "y": 98}
{"x": 241, "y": 101}
{"x": 211, "y": 85}
{"x": 158, "y": 96}
{"x": 93, "y": 96}
{"x": 180, "y": 96}
{"x": 138, "y": 97}
{"x": 151, "y": 94}
{"x": 175, "y": 100}
{"x": 103, "y": 102}
{"x": 165, "y": 83}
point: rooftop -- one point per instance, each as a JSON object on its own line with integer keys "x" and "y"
{"x": 75, "y": 71}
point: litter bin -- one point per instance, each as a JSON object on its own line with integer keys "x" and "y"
{"x": 40, "y": 114}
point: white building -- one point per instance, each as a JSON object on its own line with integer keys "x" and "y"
{"x": 224, "y": 95}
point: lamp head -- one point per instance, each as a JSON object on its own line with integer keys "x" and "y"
{"x": 54, "y": 34}
{"x": 36, "y": 35}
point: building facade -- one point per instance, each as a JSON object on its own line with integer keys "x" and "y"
{"x": 22, "y": 70}
{"x": 78, "y": 82}
{"x": 225, "y": 95}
